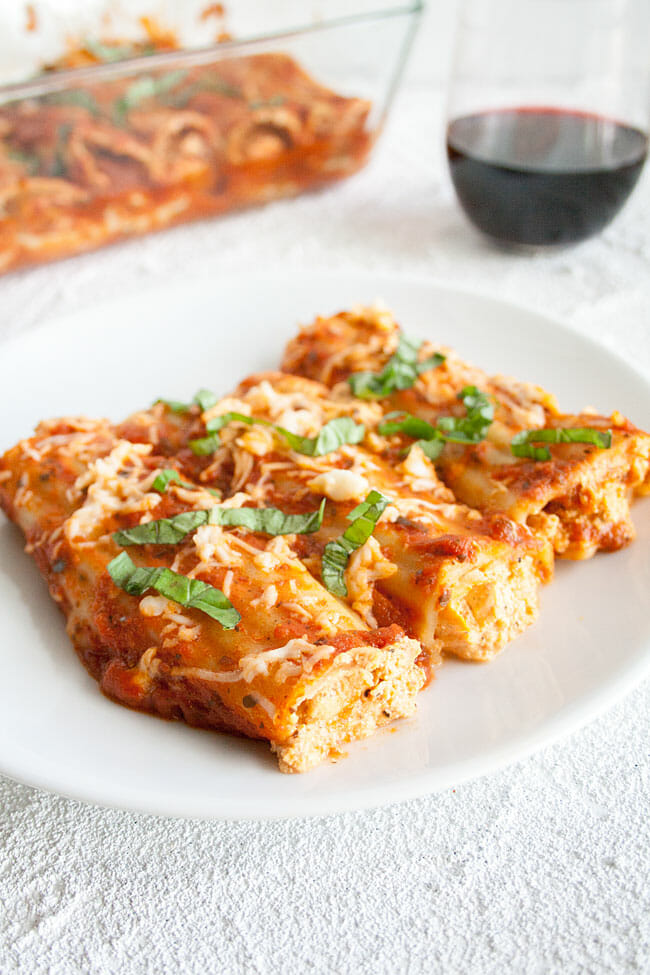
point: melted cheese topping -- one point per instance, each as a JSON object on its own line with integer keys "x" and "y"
{"x": 418, "y": 472}
{"x": 215, "y": 547}
{"x": 361, "y": 462}
{"x": 297, "y": 411}
{"x": 524, "y": 404}
{"x": 227, "y": 583}
{"x": 211, "y": 676}
{"x": 229, "y": 404}
{"x": 378, "y": 315}
{"x": 366, "y": 566}
{"x": 153, "y": 605}
{"x": 268, "y": 599}
{"x": 297, "y": 656}
{"x": 218, "y": 547}
{"x": 147, "y": 667}
{"x": 257, "y": 440}
{"x": 340, "y": 484}
{"x": 115, "y": 483}
{"x": 443, "y": 517}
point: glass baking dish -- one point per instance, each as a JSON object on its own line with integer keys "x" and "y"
{"x": 135, "y": 120}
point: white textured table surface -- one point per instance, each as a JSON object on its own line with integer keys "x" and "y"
{"x": 539, "y": 868}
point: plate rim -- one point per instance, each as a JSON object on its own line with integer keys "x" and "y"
{"x": 591, "y": 705}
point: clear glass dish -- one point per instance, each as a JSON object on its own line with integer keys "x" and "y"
{"x": 134, "y": 121}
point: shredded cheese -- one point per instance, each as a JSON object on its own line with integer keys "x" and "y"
{"x": 215, "y": 676}
{"x": 340, "y": 485}
{"x": 257, "y": 440}
{"x": 295, "y": 657}
{"x": 418, "y": 472}
{"x": 214, "y": 546}
{"x": 153, "y": 605}
{"x": 229, "y": 404}
{"x": 227, "y": 583}
{"x": 268, "y": 599}
{"x": 109, "y": 492}
{"x": 366, "y": 566}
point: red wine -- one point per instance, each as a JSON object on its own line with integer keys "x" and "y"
{"x": 543, "y": 175}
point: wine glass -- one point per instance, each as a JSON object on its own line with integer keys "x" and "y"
{"x": 548, "y": 115}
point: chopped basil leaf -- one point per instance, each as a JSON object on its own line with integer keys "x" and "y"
{"x": 163, "y": 531}
{"x": 473, "y": 427}
{"x": 217, "y": 422}
{"x": 204, "y": 446}
{"x": 191, "y": 593}
{"x": 335, "y": 557}
{"x": 411, "y": 425}
{"x": 470, "y": 428}
{"x": 333, "y": 435}
{"x": 59, "y": 165}
{"x": 167, "y": 475}
{"x": 29, "y": 160}
{"x": 175, "y": 405}
{"x": 522, "y": 444}
{"x": 143, "y": 88}
{"x": 528, "y": 450}
{"x": 273, "y": 102}
{"x": 204, "y": 399}
{"x": 431, "y": 448}
{"x": 374, "y": 497}
{"x": 270, "y": 521}
{"x": 432, "y": 362}
{"x": 75, "y": 96}
{"x": 400, "y": 372}
{"x": 108, "y": 52}
{"x": 207, "y": 83}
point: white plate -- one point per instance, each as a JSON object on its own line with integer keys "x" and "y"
{"x": 58, "y": 732}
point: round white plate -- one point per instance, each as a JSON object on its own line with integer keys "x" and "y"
{"x": 591, "y": 643}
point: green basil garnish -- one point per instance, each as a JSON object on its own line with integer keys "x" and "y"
{"x": 29, "y": 160}
{"x": 191, "y": 593}
{"x": 337, "y": 553}
{"x": 412, "y": 426}
{"x": 163, "y": 531}
{"x": 473, "y": 427}
{"x": 110, "y": 53}
{"x": 400, "y": 372}
{"x": 75, "y": 96}
{"x": 470, "y": 428}
{"x": 204, "y": 399}
{"x": 206, "y": 83}
{"x": 165, "y": 477}
{"x": 59, "y": 165}
{"x": 523, "y": 443}
{"x": 204, "y": 446}
{"x": 273, "y": 102}
{"x": 342, "y": 430}
{"x": 143, "y": 88}
{"x": 269, "y": 521}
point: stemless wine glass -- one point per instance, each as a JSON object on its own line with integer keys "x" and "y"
{"x": 548, "y": 115}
